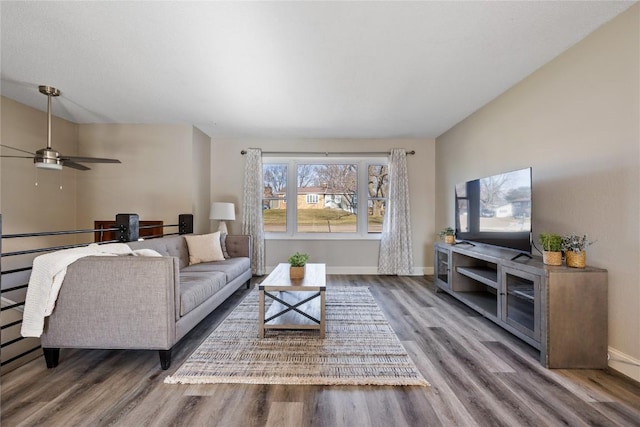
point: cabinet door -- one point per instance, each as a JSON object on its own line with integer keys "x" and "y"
{"x": 442, "y": 270}
{"x": 521, "y": 301}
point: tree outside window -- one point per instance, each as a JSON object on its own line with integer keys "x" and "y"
{"x": 377, "y": 188}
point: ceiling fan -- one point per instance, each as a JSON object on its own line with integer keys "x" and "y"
{"x": 48, "y": 158}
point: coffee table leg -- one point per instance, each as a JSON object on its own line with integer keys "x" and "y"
{"x": 261, "y": 315}
{"x": 322, "y": 314}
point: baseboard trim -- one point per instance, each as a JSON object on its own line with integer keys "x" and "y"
{"x": 372, "y": 270}
{"x": 625, "y": 364}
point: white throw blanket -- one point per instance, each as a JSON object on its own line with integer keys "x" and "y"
{"x": 46, "y": 279}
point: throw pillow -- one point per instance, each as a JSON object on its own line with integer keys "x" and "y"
{"x": 204, "y": 248}
{"x": 223, "y": 244}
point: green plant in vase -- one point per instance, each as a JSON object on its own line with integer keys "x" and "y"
{"x": 551, "y": 248}
{"x": 574, "y": 247}
{"x": 297, "y": 262}
{"x": 448, "y": 235}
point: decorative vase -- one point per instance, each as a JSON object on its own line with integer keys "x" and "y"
{"x": 576, "y": 259}
{"x": 450, "y": 239}
{"x": 296, "y": 273}
{"x": 552, "y": 258}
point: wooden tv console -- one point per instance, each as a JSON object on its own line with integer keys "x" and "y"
{"x": 560, "y": 311}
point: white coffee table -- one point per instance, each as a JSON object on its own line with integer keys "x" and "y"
{"x": 297, "y": 304}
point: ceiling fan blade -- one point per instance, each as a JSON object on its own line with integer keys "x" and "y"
{"x": 88, "y": 159}
{"x": 73, "y": 165}
{"x": 17, "y": 149}
{"x": 19, "y": 157}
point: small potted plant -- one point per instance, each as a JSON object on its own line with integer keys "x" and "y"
{"x": 574, "y": 247}
{"x": 448, "y": 235}
{"x": 297, "y": 262}
{"x": 551, "y": 248}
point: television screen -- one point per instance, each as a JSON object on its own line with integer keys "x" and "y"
{"x": 496, "y": 210}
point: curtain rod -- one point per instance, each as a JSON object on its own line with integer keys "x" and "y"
{"x": 330, "y": 153}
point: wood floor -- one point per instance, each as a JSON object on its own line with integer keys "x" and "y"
{"x": 479, "y": 375}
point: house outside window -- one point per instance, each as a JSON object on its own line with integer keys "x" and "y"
{"x": 326, "y": 194}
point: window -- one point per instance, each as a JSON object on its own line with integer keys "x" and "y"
{"x": 326, "y": 195}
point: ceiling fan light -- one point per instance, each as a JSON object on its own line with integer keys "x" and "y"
{"x": 52, "y": 164}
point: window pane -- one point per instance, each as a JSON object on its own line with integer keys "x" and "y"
{"x": 377, "y": 187}
{"x": 274, "y": 202}
{"x": 463, "y": 207}
{"x": 326, "y": 198}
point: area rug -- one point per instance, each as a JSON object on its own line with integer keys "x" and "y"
{"x": 359, "y": 348}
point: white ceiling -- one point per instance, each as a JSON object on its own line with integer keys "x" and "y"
{"x": 284, "y": 69}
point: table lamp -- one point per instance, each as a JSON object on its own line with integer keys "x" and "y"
{"x": 222, "y": 212}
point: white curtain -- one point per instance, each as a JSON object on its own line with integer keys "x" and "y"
{"x": 396, "y": 256}
{"x": 252, "y": 208}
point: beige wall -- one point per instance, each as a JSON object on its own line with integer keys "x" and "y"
{"x": 576, "y": 121}
{"x": 201, "y": 181}
{"x": 155, "y": 179}
{"x": 353, "y": 256}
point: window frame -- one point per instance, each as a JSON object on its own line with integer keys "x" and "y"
{"x": 362, "y": 232}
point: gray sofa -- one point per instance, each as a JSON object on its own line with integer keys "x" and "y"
{"x": 142, "y": 302}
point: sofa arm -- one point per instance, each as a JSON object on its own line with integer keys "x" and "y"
{"x": 238, "y": 245}
{"x": 116, "y": 302}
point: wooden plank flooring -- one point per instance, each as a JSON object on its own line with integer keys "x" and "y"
{"x": 479, "y": 375}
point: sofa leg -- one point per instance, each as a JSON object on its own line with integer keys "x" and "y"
{"x": 165, "y": 358}
{"x": 51, "y": 356}
{"x": 249, "y": 284}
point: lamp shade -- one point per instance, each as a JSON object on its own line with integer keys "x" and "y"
{"x": 222, "y": 211}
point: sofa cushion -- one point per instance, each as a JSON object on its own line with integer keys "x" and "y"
{"x": 197, "y": 287}
{"x": 204, "y": 248}
{"x": 232, "y": 267}
{"x": 174, "y": 246}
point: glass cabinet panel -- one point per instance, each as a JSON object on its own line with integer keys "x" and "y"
{"x": 521, "y": 302}
{"x": 442, "y": 267}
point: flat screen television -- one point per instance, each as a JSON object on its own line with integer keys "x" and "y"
{"x": 495, "y": 210}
